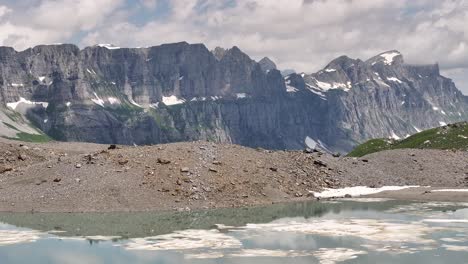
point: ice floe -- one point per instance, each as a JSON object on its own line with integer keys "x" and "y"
{"x": 102, "y": 238}
{"x": 183, "y": 240}
{"x": 455, "y": 248}
{"x": 335, "y": 255}
{"x": 445, "y": 220}
{"x": 11, "y": 237}
{"x": 374, "y": 231}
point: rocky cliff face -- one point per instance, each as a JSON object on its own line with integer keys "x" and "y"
{"x": 181, "y": 92}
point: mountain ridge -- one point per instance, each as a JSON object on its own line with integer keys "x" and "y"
{"x": 184, "y": 92}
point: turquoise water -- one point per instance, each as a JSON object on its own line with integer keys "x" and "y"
{"x": 346, "y": 231}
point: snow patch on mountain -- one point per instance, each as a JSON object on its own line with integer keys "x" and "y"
{"x": 97, "y": 100}
{"x": 394, "y": 79}
{"x": 108, "y": 46}
{"x": 389, "y": 57}
{"x": 22, "y": 100}
{"x": 172, "y": 100}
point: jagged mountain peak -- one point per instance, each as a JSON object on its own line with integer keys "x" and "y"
{"x": 179, "y": 91}
{"x": 236, "y": 54}
{"x": 267, "y": 64}
{"x": 219, "y": 53}
{"x": 342, "y": 63}
{"x": 391, "y": 57}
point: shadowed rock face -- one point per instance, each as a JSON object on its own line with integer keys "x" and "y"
{"x": 181, "y": 92}
{"x": 267, "y": 65}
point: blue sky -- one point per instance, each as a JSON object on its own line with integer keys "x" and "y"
{"x": 299, "y": 34}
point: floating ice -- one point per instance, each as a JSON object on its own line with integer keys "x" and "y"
{"x": 183, "y": 240}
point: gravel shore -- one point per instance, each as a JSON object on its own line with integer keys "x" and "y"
{"x": 80, "y": 177}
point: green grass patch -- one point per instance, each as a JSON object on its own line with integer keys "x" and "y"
{"x": 26, "y": 137}
{"x": 454, "y": 137}
{"x": 371, "y": 146}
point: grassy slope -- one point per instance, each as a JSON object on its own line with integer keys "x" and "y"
{"x": 448, "y": 137}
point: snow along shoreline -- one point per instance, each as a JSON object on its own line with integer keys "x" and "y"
{"x": 358, "y": 191}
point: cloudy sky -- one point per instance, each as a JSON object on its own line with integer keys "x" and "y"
{"x": 297, "y": 34}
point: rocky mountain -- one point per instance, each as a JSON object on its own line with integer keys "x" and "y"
{"x": 267, "y": 65}
{"x": 183, "y": 92}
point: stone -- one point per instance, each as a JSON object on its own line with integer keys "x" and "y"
{"x": 320, "y": 163}
{"x": 213, "y": 169}
{"x": 348, "y": 196}
{"x": 78, "y": 165}
{"x": 184, "y": 169}
{"x": 123, "y": 162}
{"x": 309, "y": 151}
{"x": 22, "y": 157}
{"x": 163, "y": 161}
{"x": 4, "y": 169}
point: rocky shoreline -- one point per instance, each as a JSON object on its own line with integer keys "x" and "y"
{"x": 80, "y": 177}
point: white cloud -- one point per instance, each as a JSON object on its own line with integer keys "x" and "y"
{"x": 50, "y": 21}
{"x": 300, "y": 34}
{"x": 151, "y": 4}
{"x": 4, "y": 10}
{"x": 72, "y": 14}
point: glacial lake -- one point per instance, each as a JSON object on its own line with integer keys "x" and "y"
{"x": 344, "y": 231}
